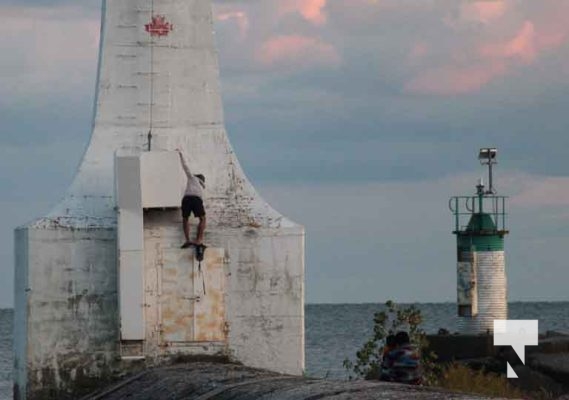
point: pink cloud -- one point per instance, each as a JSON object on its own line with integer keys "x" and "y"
{"x": 448, "y": 80}
{"x": 483, "y": 11}
{"x": 311, "y": 10}
{"x": 296, "y": 50}
{"x": 522, "y": 46}
{"x": 528, "y": 43}
{"x": 553, "y": 29}
{"x": 418, "y": 51}
{"x": 491, "y": 60}
{"x": 240, "y": 17}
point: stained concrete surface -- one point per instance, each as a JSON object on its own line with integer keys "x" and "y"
{"x": 206, "y": 380}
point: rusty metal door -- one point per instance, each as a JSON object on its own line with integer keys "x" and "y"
{"x": 193, "y": 297}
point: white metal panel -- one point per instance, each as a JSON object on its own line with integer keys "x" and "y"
{"x": 130, "y": 229}
{"x": 130, "y": 246}
{"x": 131, "y": 286}
{"x": 161, "y": 177}
{"x": 127, "y": 182}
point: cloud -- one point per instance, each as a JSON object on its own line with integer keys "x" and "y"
{"x": 418, "y": 51}
{"x": 477, "y": 66}
{"x": 310, "y": 10}
{"x": 543, "y": 192}
{"x": 448, "y": 80}
{"x": 522, "y": 46}
{"x": 47, "y": 50}
{"x": 239, "y": 17}
{"x": 483, "y": 11}
{"x": 528, "y": 42}
{"x": 380, "y": 222}
{"x": 297, "y": 51}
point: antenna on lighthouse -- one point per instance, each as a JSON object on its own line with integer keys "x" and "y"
{"x": 487, "y": 156}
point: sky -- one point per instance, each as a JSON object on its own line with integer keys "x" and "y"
{"x": 357, "y": 118}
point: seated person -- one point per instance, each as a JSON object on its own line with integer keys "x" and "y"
{"x": 387, "y": 347}
{"x": 402, "y": 364}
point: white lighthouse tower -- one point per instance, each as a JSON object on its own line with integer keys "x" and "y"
{"x": 101, "y": 282}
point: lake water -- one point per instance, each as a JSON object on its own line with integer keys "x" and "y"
{"x": 336, "y": 331}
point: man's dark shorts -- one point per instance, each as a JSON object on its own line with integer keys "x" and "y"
{"x": 192, "y": 204}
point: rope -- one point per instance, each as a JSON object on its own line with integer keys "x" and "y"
{"x": 151, "y": 103}
{"x": 203, "y": 278}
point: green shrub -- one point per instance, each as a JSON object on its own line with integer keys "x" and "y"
{"x": 454, "y": 376}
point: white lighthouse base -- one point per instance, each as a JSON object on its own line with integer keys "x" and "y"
{"x": 67, "y": 334}
{"x": 491, "y": 292}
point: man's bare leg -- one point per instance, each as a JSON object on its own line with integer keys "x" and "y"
{"x": 186, "y": 227}
{"x": 201, "y": 230}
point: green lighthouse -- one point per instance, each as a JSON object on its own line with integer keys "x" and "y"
{"x": 480, "y": 228}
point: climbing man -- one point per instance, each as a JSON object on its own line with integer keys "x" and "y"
{"x": 193, "y": 203}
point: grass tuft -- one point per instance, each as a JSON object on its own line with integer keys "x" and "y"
{"x": 460, "y": 378}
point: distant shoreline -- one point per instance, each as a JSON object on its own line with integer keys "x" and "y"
{"x": 5, "y": 308}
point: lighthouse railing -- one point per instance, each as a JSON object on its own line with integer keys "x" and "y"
{"x": 464, "y": 207}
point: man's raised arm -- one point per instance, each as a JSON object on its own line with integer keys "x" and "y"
{"x": 184, "y": 164}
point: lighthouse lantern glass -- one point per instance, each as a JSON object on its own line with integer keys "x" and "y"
{"x": 488, "y": 154}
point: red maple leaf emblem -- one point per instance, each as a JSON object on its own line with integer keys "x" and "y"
{"x": 159, "y": 26}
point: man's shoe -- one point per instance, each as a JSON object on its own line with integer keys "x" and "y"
{"x": 186, "y": 245}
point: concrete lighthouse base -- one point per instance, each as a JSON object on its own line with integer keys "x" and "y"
{"x": 491, "y": 292}
{"x": 102, "y": 286}
{"x": 67, "y": 335}
{"x": 65, "y": 313}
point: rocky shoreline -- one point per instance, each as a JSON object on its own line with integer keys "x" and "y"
{"x": 219, "y": 381}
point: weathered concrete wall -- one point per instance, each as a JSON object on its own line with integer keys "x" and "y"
{"x": 66, "y": 263}
{"x": 264, "y": 297}
{"x": 67, "y": 284}
{"x": 21, "y": 316}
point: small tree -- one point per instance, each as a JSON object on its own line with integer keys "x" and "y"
{"x": 389, "y": 322}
